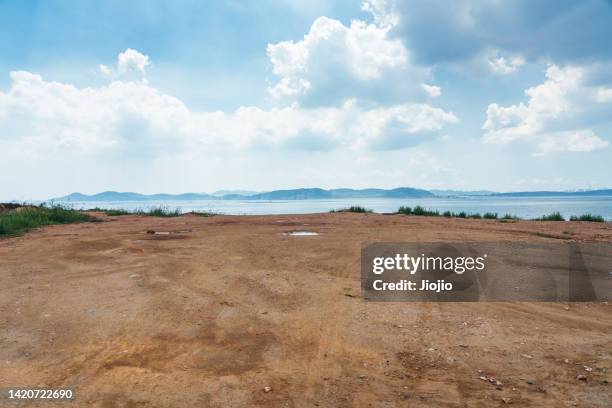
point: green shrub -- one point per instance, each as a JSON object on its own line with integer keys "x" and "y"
{"x": 353, "y": 209}
{"x": 490, "y": 216}
{"x": 587, "y": 217}
{"x": 404, "y": 210}
{"x": 116, "y": 212}
{"x": 556, "y": 216}
{"x": 418, "y": 210}
{"x": 447, "y": 214}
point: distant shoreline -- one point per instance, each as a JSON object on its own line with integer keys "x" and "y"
{"x": 322, "y": 194}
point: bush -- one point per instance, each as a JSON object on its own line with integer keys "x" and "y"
{"x": 353, "y": 209}
{"x": 490, "y": 216}
{"x": 20, "y": 220}
{"x": 116, "y": 213}
{"x": 418, "y": 210}
{"x": 587, "y": 217}
{"x": 447, "y": 214}
{"x": 404, "y": 210}
{"x": 556, "y": 216}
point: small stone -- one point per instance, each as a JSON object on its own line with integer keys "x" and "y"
{"x": 267, "y": 389}
{"x": 507, "y": 400}
{"x": 566, "y": 361}
{"x": 587, "y": 368}
{"x": 566, "y": 308}
{"x": 362, "y": 377}
{"x": 530, "y": 382}
{"x": 581, "y": 377}
{"x": 527, "y": 356}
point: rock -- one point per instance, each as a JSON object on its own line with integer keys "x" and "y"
{"x": 267, "y": 389}
{"x": 587, "y": 368}
{"x": 581, "y": 377}
{"x": 507, "y": 400}
{"x": 530, "y": 382}
{"x": 566, "y": 361}
{"x": 527, "y": 356}
{"x": 362, "y": 377}
{"x": 134, "y": 276}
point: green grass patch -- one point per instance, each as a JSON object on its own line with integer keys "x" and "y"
{"x": 116, "y": 213}
{"x": 353, "y": 209}
{"x": 418, "y": 210}
{"x": 556, "y": 216}
{"x": 587, "y": 217}
{"x": 152, "y": 212}
{"x": 20, "y": 220}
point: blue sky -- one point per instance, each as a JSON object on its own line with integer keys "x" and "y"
{"x": 199, "y": 96}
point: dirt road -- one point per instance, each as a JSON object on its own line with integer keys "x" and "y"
{"x": 218, "y": 308}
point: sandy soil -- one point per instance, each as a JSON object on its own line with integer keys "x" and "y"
{"x": 209, "y": 315}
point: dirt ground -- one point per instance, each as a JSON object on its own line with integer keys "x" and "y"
{"x": 222, "y": 307}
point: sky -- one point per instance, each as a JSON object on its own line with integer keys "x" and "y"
{"x": 191, "y": 96}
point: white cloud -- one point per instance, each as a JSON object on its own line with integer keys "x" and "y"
{"x": 330, "y": 49}
{"x": 554, "y": 116}
{"x": 432, "y": 90}
{"x": 132, "y": 60}
{"x": 130, "y": 64}
{"x": 383, "y": 11}
{"x": 502, "y": 66}
{"x": 584, "y": 140}
{"x": 134, "y": 117}
{"x": 106, "y": 70}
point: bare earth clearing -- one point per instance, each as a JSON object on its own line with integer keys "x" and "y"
{"x": 221, "y": 307}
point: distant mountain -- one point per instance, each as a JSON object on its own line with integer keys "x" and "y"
{"x": 319, "y": 193}
{"x": 461, "y": 193}
{"x": 222, "y": 193}
{"x": 121, "y": 196}
{"x": 586, "y": 193}
{"x": 295, "y": 194}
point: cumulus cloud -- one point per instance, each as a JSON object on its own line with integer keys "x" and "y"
{"x": 130, "y": 60}
{"x": 502, "y": 66}
{"x": 332, "y": 54}
{"x": 131, "y": 64}
{"x": 554, "y": 114}
{"x": 136, "y": 117}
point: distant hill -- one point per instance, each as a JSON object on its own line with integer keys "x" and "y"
{"x": 295, "y": 194}
{"x": 128, "y": 196}
{"x": 221, "y": 193}
{"x": 461, "y": 193}
{"x": 319, "y": 193}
